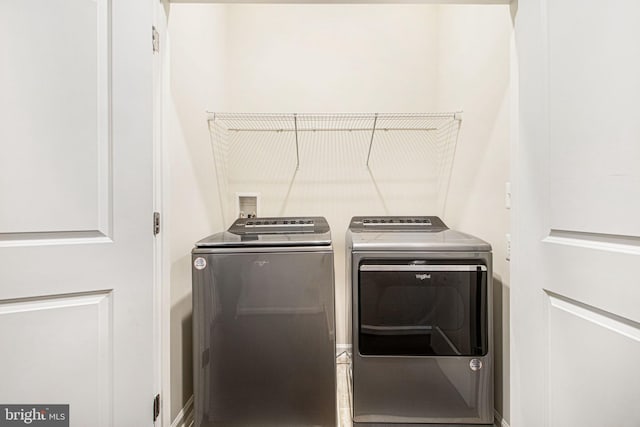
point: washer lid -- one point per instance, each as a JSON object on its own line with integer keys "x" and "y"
{"x": 272, "y": 232}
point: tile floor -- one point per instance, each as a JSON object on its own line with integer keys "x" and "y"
{"x": 344, "y": 393}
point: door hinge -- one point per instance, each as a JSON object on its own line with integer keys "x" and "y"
{"x": 156, "y": 407}
{"x": 156, "y": 223}
{"x": 155, "y": 39}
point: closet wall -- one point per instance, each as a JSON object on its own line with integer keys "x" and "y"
{"x": 195, "y": 79}
{"x": 474, "y": 73}
{"x": 335, "y": 58}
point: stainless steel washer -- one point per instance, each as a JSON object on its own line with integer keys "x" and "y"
{"x": 421, "y": 323}
{"x": 264, "y": 326}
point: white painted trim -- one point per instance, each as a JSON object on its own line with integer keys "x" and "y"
{"x": 349, "y": 1}
{"x": 515, "y": 180}
{"x": 625, "y": 327}
{"x": 499, "y": 421}
{"x": 105, "y": 128}
{"x": 162, "y": 289}
{"x": 185, "y": 416}
{"x": 80, "y": 237}
{"x": 48, "y": 302}
{"x": 598, "y": 241}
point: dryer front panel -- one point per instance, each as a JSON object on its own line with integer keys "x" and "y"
{"x": 422, "y": 338}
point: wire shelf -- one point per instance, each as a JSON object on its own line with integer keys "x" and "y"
{"x": 270, "y": 149}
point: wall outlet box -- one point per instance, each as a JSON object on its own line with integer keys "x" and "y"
{"x": 247, "y": 205}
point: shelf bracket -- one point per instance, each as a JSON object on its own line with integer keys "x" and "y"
{"x": 373, "y": 132}
{"x": 295, "y": 126}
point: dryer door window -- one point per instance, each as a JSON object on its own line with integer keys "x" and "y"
{"x": 422, "y": 310}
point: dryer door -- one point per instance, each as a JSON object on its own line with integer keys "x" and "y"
{"x": 409, "y": 309}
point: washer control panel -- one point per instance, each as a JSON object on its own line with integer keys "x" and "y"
{"x": 284, "y": 225}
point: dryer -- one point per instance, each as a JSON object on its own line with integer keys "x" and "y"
{"x": 264, "y": 326}
{"x": 421, "y": 323}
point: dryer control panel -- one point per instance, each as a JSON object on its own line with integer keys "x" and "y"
{"x": 397, "y": 223}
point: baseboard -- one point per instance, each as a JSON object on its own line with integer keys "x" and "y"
{"x": 341, "y": 348}
{"x": 185, "y": 416}
{"x": 500, "y": 422}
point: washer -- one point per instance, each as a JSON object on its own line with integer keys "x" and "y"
{"x": 264, "y": 325}
{"x": 421, "y": 323}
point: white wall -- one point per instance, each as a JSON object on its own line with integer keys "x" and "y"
{"x": 473, "y": 74}
{"x": 326, "y": 58}
{"x": 197, "y": 64}
{"x": 336, "y": 58}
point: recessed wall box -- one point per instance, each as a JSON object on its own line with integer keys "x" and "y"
{"x": 247, "y": 205}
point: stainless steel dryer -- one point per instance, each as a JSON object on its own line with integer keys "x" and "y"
{"x": 421, "y": 323}
{"x": 264, "y": 326}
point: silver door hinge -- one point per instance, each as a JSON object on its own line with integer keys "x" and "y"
{"x": 155, "y": 39}
{"x": 156, "y": 407}
{"x": 156, "y": 223}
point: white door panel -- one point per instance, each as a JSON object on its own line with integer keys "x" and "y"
{"x": 594, "y": 64}
{"x": 76, "y": 206}
{"x": 591, "y": 355}
{"x": 576, "y": 204}
{"x": 55, "y": 124}
{"x": 60, "y": 339}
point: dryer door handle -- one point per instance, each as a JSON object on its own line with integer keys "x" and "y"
{"x": 422, "y": 267}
